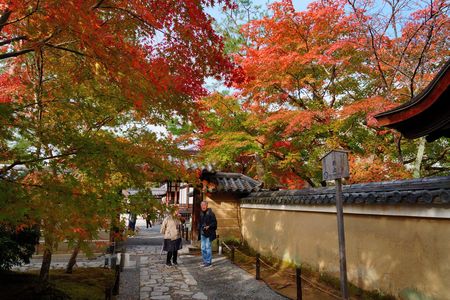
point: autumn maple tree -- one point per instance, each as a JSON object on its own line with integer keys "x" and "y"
{"x": 82, "y": 83}
{"x": 311, "y": 81}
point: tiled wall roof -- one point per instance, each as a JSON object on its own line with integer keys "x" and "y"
{"x": 430, "y": 191}
{"x": 231, "y": 182}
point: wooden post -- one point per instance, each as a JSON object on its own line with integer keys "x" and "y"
{"x": 195, "y": 214}
{"x": 258, "y": 266}
{"x": 116, "y": 281}
{"x": 298, "y": 277}
{"x": 232, "y": 254}
{"x": 335, "y": 166}
{"x": 108, "y": 293}
{"x": 113, "y": 261}
{"x": 113, "y": 248}
{"x": 340, "y": 223}
{"x": 122, "y": 261}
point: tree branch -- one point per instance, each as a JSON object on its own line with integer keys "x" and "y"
{"x": 281, "y": 157}
{"x": 23, "y": 162}
{"x": 15, "y": 53}
{"x": 65, "y": 49}
{"x": 24, "y": 51}
{"x": 297, "y": 101}
{"x": 14, "y": 39}
{"x": 409, "y": 41}
{"x": 421, "y": 57}
{"x": 24, "y": 17}
{"x": 133, "y": 15}
{"x": 306, "y": 178}
{"x": 97, "y": 125}
{"x": 21, "y": 183}
{"x": 97, "y": 5}
{"x": 372, "y": 44}
{"x": 4, "y": 18}
{"x": 377, "y": 58}
{"x": 440, "y": 169}
{"x": 399, "y": 148}
{"x": 440, "y": 156}
{"x": 23, "y": 107}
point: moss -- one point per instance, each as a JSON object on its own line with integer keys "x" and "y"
{"x": 232, "y": 242}
{"x": 81, "y": 284}
{"x": 413, "y": 294}
{"x": 326, "y": 279}
{"x": 353, "y": 290}
{"x": 329, "y": 280}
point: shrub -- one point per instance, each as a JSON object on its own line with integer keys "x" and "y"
{"x": 17, "y": 245}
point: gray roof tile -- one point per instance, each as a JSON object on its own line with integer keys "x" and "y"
{"x": 231, "y": 182}
{"x": 424, "y": 191}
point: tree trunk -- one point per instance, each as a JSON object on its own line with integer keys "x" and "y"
{"x": 310, "y": 182}
{"x": 73, "y": 259}
{"x": 45, "y": 269}
{"x": 306, "y": 178}
{"x": 420, "y": 151}
{"x": 260, "y": 168}
{"x": 195, "y": 215}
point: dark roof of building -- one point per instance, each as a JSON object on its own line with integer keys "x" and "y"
{"x": 427, "y": 114}
{"x": 230, "y": 182}
{"x": 432, "y": 190}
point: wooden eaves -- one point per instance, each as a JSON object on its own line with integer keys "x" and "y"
{"x": 427, "y": 114}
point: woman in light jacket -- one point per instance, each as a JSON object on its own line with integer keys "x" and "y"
{"x": 171, "y": 228}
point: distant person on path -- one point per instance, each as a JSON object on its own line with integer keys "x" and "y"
{"x": 171, "y": 228}
{"x": 148, "y": 221}
{"x": 132, "y": 221}
{"x": 207, "y": 232}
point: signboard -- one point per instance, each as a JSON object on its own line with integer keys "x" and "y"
{"x": 335, "y": 165}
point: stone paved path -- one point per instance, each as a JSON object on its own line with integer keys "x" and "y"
{"x": 158, "y": 281}
{"x": 186, "y": 281}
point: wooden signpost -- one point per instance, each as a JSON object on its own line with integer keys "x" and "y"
{"x": 335, "y": 167}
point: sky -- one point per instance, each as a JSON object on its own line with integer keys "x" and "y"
{"x": 299, "y": 5}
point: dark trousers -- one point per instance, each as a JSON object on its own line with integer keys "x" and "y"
{"x": 171, "y": 255}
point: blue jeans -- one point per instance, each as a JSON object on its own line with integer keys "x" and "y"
{"x": 206, "y": 250}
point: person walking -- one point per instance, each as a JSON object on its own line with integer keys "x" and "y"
{"x": 171, "y": 228}
{"x": 207, "y": 232}
{"x": 132, "y": 221}
{"x": 148, "y": 220}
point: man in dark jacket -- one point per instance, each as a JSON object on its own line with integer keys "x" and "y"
{"x": 207, "y": 232}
